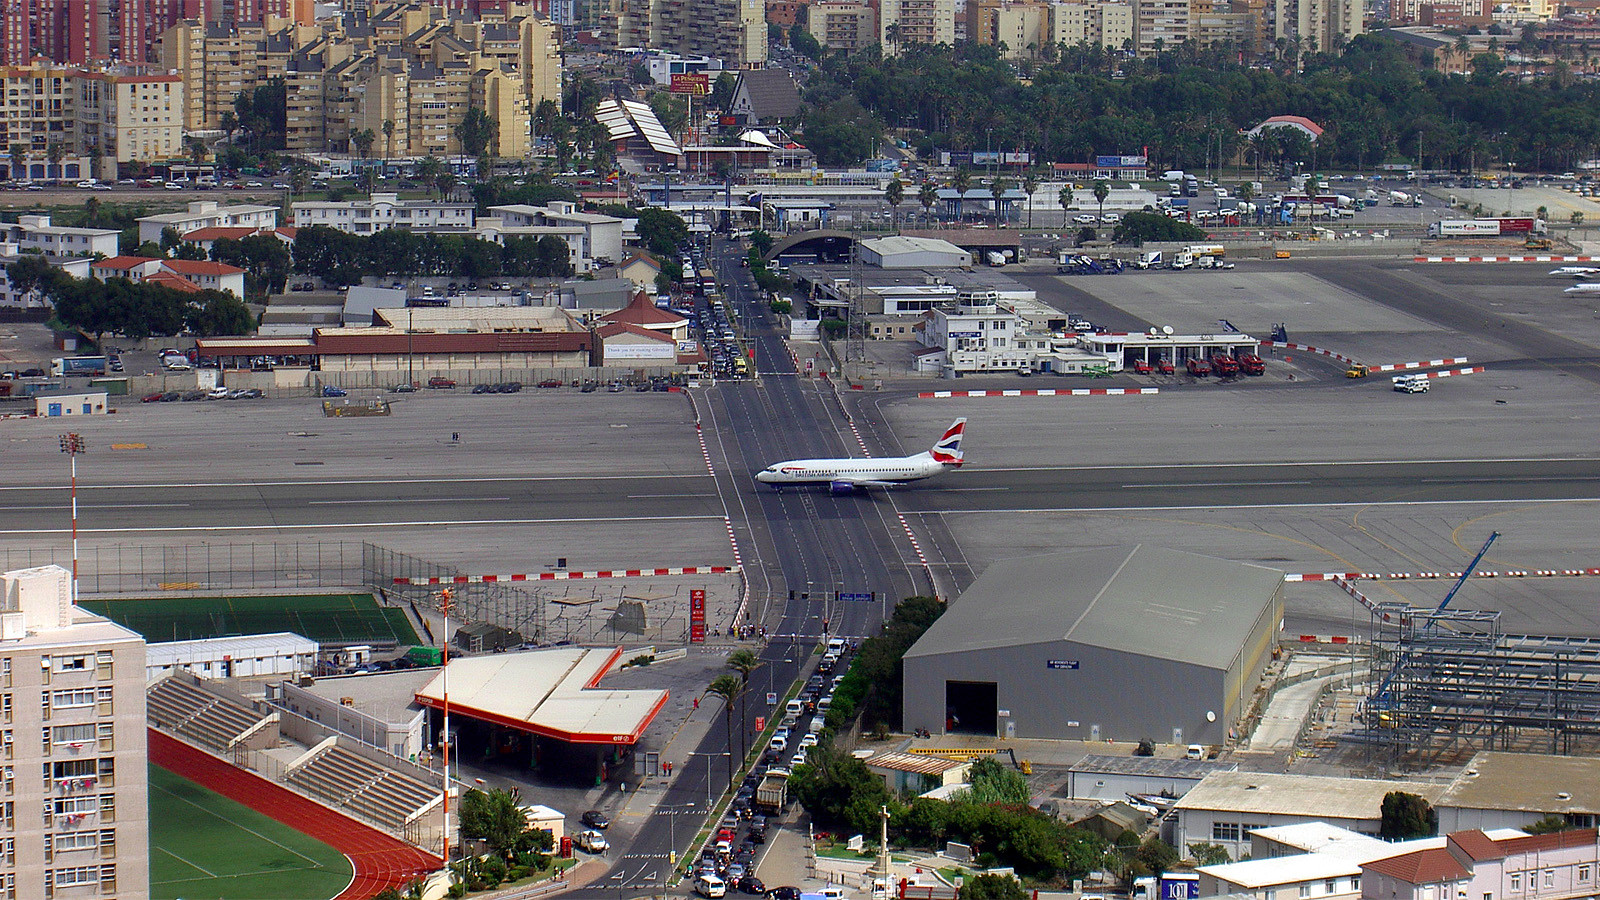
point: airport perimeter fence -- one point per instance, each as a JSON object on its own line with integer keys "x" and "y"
{"x": 132, "y": 570}
{"x": 517, "y": 608}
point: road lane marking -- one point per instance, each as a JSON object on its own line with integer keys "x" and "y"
{"x": 664, "y": 496}
{"x": 352, "y": 481}
{"x": 100, "y": 506}
{"x": 441, "y": 523}
{"x": 1184, "y": 484}
{"x": 1298, "y": 464}
{"x": 408, "y": 500}
{"x": 1343, "y": 504}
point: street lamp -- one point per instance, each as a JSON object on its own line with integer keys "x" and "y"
{"x": 72, "y": 445}
{"x": 709, "y": 755}
{"x": 672, "y": 813}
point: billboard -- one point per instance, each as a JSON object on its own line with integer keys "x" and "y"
{"x": 691, "y": 83}
{"x": 697, "y": 616}
{"x": 1120, "y": 162}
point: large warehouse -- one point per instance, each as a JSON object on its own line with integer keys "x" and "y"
{"x": 1122, "y": 643}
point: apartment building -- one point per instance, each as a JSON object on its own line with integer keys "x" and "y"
{"x": 734, "y": 31}
{"x": 35, "y": 233}
{"x": 1317, "y": 24}
{"x": 1019, "y": 26}
{"x": 383, "y": 211}
{"x": 904, "y": 22}
{"x": 207, "y": 214}
{"x": 1160, "y": 24}
{"x": 95, "y": 116}
{"x": 842, "y": 25}
{"x": 72, "y": 739}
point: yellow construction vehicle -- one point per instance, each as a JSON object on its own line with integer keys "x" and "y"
{"x": 1357, "y": 370}
{"x": 1538, "y": 243}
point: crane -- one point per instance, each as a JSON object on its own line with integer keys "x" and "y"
{"x": 1381, "y": 697}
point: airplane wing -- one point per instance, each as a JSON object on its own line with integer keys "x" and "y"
{"x": 865, "y": 483}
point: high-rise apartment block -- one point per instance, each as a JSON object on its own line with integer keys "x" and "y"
{"x": 842, "y": 25}
{"x": 905, "y": 22}
{"x": 73, "y": 783}
{"x": 734, "y": 31}
{"x": 406, "y": 73}
{"x": 98, "y": 118}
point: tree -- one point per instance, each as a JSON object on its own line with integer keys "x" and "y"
{"x": 722, "y": 91}
{"x": 1206, "y": 853}
{"x": 760, "y": 242}
{"x": 429, "y": 168}
{"x": 230, "y": 123}
{"x": 33, "y": 273}
{"x": 1407, "y": 816}
{"x": 493, "y": 817}
{"x": 927, "y": 195}
{"x": 1550, "y": 824}
{"x": 1138, "y": 227}
{"x": 197, "y": 150}
{"x": 663, "y": 231}
{"x": 894, "y": 193}
{"x": 804, "y": 43}
{"x": 961, "y": 181}
{"x": 743, "y": 662}
{"x": 994, "y": 783}
{"x": 55, "y": 152}
{"x": 388, "y": 139}
{"x": 998, "y": 188}
{"x": 992, "y": 887}
{"x": 1065, "y": 198}
{"x": 476, "y": 132}
{"x": 363, "y": 141}
{"x": 1102, "y": 190}
{"x": 1156, "y": 856}
{"x": 1030, "y": 184}
{"x": 728, "y": 687}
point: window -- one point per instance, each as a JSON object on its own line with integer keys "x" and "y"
{"x": 72, "y": 663}
{"x": 73, "y": 876}
{"x": 75, "y": 840}
{"x": 1305, "y": 891}
{"x": 1584, "y": 873}
{"x": 1549, "y": 878}
{"x": 1516, "y": 881}
{"x": 1224, "y": 831}
{"x": 1328, "y": 887}
{"x": 72, "y": 699}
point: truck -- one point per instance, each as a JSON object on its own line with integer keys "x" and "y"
{"x": 1415, "y": 383}
{"x": 1251, "y": 364}
{"x": 1198, "y": 367}
{"x": 995, "y": 258}
{"x": 1485, "y": 227}
{"x": 1401, "y": 198}
{"x": 1207, "y": 250}
{"x": 1224, "y": 365}
{"x": 78, "y": 365}
{"x": 1148, "y": 260}
{"x": 1183, "y": 259}
{"x": 772, "y": 794}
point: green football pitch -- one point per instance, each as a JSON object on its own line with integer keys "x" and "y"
{"x": 325, "y": 618}
{"x": 204, "y": 845}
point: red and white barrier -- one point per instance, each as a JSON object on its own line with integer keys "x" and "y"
{"x": 1501, "y": 259}
{"x": 1309, "y": 349}
{"x": 572, "y": 576}
{"x": 1401, "y": 367}
{"x": 1046, "y": 392}
{"x": 1451, "y": 373}
{"x": 1431, "y": 576}
{"x": 1328, "y": 639}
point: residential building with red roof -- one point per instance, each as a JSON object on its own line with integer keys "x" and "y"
{"x": 201, "y": 274}
{"x": 1473, "y": 865}
{"x": 1305, "y": 126}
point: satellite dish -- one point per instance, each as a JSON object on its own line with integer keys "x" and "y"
{"x": 1211, "y": 716}
{"x": 1166, "y": 330}
{"x": 1152, "y": 329}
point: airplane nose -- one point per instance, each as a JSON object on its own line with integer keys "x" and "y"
{"x": 764, "y": 477}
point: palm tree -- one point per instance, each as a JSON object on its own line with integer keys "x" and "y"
{"x": 363, "y": 140}
{"x": 728, "y": 687}
{"x": 1030, "y": 183}
{"x": 961, "y": 181}
{"x": 428, "y": 170}
{"x": 744, "y": 662}
{"x": 57, "y": 151}
{"x": 388, "y": 139}
{"x": 1066, "y": 202}
{"x": 1102, "y": 190}
{"x": 998, "y": 187}
{"x": 895, "y": 193}
{"x": 927, "y": 195}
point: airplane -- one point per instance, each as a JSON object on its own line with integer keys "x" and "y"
{"x": 847, "y": 475}
{"x": 1588, "y": 287}
{"x": 1575, "y": 271}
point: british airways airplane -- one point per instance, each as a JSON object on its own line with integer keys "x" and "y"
{"x": 847, "y": 475}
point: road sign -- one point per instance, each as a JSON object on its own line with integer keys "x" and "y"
{"x": 698, "y": 83}
{"x": 697, "y": 616}
{"x": 855, "y": 597}
{"x": 772, "y": 698}
{"x": 761, "y": 723}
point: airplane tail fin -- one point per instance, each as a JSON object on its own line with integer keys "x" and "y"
{"x": 947, "y": 449}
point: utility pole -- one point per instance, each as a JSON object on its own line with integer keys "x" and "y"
{"x": 72, "y": 445}
{"x": 446, "y": 602}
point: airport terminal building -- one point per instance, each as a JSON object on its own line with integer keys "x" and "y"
{"x": 1123, "y": 643}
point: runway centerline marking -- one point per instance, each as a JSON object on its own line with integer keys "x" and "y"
{"x": 576, "y": 476}
{"x": 1186, "y": 484}
{"x": 1345, "y": 503}
{"x": 441, "y": 523}
{"x": 408, "y": 500}
{"x": 664, "y": 496}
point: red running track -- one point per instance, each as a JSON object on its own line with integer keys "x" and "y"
{"x": 380, "y": 861}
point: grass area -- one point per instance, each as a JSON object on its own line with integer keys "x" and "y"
{"x": 320, "y": 617}
{"x": 203, "y": 844}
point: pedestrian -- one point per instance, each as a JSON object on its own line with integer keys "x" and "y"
{"x": 455, "y": 437}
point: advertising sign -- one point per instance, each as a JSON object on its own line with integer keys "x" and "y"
{"x": 698, "y": 83}
{"x": 697, "y": 616}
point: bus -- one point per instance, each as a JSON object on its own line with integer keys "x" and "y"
{"x": 708, "y": 282}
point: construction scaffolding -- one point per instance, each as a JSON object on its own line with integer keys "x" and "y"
{"x": 1447, "y": 683}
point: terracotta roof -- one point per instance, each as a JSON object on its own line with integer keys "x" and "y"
{"x": 123, "y": 263}
{"x": 177, "y": 282}
{"x": 1422, "y": 867}
{"x": 612, "y": 329}
{"x": 199, "y": 267}
{"x": 478, "y": 342}
{"x": 1302, "y": 121}
{"x": 640, "y": 257}
{"x": 643, "y": 311}
{"x": 1478, "y": 846}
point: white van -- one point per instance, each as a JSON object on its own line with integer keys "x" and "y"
{"x": 794, "y": 708}
{"x": 1411, "y": 384}
{"x": 1195, "y": 751}
{"x": 710, "y": 886}
{"x": 836, "y": 647}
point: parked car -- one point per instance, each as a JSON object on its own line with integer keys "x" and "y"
{"x": 594, "y": 818}
{"x": 150, "y": 398}
{"x": 439, "y": 382}
{"x": 550, "y": 383}
{"x": 405, "y": 387}
{"x": 483, "y": 389}
{"x": 591, "y": 841}
{"x": 329, "y": 390}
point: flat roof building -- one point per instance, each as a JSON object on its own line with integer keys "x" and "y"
{"x": 1119, "y": 643}
{"x": 1514, "y": 790}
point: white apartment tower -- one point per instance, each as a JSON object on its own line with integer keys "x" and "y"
{"x": 73, "y": 784}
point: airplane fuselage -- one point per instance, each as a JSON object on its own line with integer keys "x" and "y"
{"x": 823, "y": 471}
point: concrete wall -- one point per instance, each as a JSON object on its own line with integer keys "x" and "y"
{"x": 1110, "y": 696}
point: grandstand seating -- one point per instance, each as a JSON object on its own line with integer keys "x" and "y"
{"x": 349, "y": 780}
{"x": 176, "y": 703}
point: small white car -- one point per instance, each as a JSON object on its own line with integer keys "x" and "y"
{"x": 809, "y": 740}
{"x": 591, "y": 841}
{"x": 1084, "y": 219}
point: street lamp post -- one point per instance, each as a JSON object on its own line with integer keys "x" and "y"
{"x": 709, "y": 755}
{"x": 72, "y": 445}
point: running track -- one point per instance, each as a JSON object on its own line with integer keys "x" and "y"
{"x": 380, "y": 861}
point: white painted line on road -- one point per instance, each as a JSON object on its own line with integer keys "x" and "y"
{"x": 99, "y": 506}
{"x": 408, "y": 500}
{"x": 576, "y": 476}
{"x": 441, "y": 523}
{"x": 1280, "y": 464}
{"x": 941, "y": 490}
{"x": 664, "y": 496}
{"x": 1188, "y": 484}
{"x": 1341, "y": 505}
